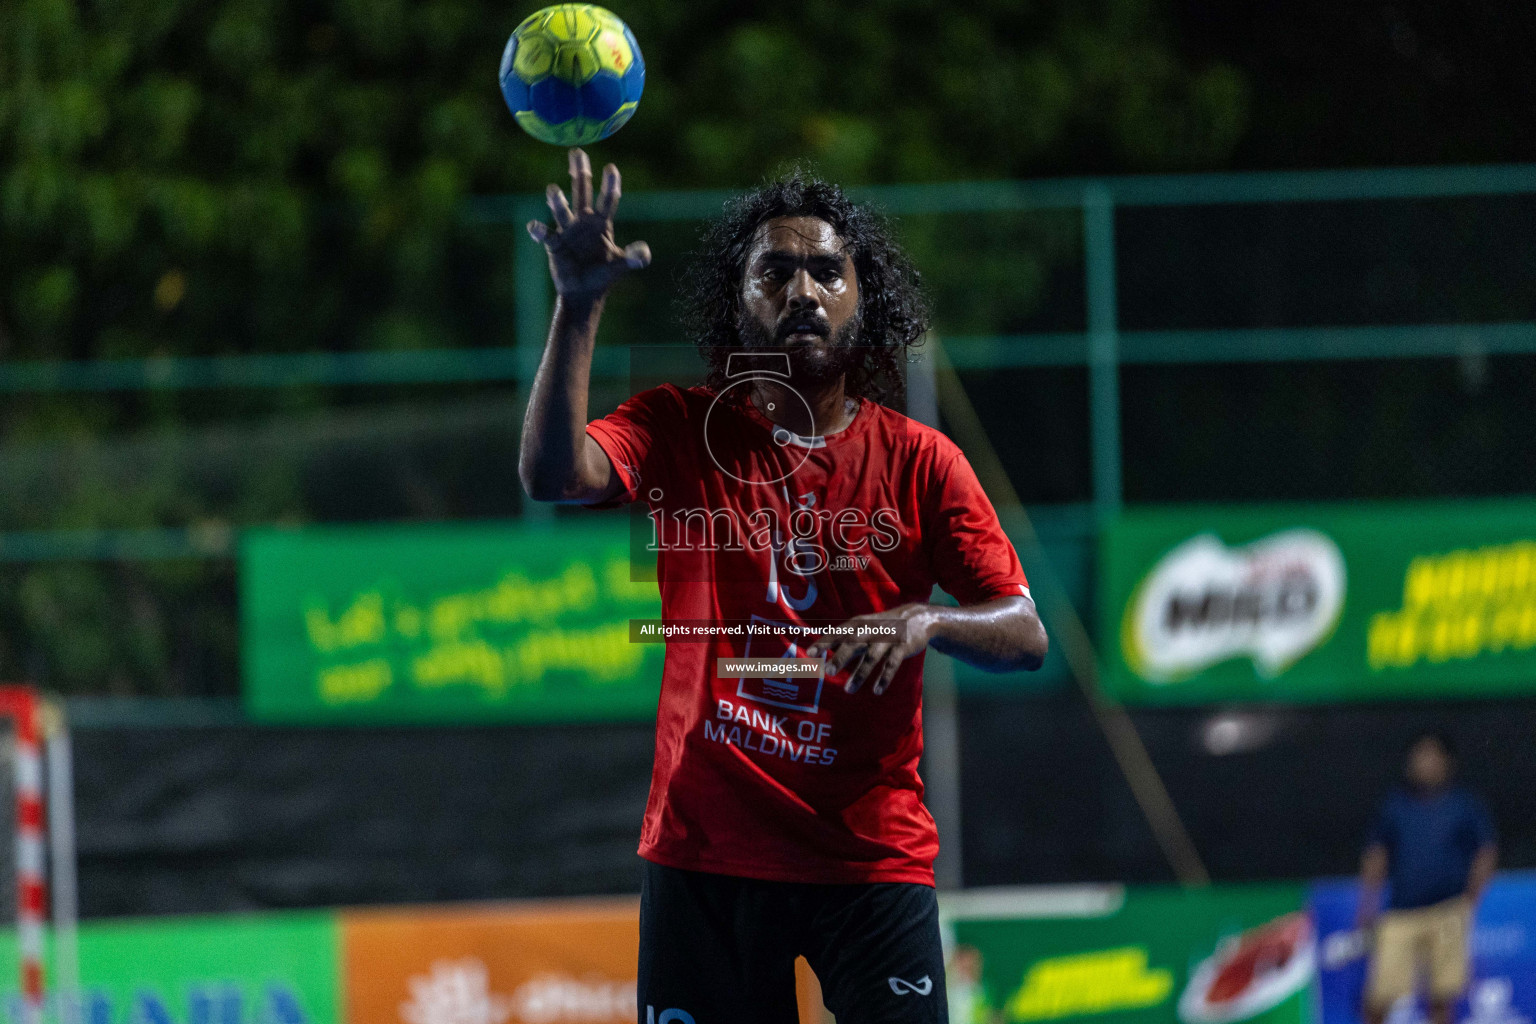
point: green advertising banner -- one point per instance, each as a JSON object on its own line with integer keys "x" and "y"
{"x": 1221, "y": 955}
{"x": 279, "y": 969}
{"x": 1320, "y": 602}
{"x": 445, "y": 623}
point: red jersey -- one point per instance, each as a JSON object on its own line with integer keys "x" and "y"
{"x": 795, "y": 779}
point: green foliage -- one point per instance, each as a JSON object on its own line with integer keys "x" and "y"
{"x": 906, "y": 91}
{"x": 279, "y": 154}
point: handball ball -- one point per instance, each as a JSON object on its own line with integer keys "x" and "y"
{"x": 572, "y": 74}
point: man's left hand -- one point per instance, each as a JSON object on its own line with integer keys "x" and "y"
{"x": 878, "y": 659}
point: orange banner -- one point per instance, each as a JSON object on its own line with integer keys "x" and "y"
{"x": 528, "y": 963}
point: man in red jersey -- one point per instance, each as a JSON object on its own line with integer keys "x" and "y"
{"x": 788, "y": 506}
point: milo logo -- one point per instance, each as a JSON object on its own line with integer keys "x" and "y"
{"x": 1203, "y": 603}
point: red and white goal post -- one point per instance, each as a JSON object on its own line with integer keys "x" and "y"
{"x": 42, "y": 779}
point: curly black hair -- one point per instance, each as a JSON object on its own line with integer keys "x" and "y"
{"x": 893, "y": 310}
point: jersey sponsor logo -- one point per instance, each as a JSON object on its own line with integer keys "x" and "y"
{"x": 791, "y": 694}
{"x": 922, "y": 986}
{"x": 802, "y": 740}
{"x": 782, "y": 690}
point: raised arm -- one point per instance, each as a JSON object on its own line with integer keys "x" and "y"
{"x": 558, "y": 461}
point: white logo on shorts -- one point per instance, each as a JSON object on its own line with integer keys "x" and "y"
{"x": 901, "y": 987}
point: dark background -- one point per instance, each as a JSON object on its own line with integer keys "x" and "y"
{"x": 219, "y": 818}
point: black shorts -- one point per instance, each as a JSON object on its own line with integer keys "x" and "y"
{"x": 718, "y": 949}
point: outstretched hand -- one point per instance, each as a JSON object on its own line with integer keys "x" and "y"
{"x": 584, "y": 260}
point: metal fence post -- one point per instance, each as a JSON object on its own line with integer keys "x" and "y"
{"x": 941, "y": 704}
{"x": 1103, "y": 350}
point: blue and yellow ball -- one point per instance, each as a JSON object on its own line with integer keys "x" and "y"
{"x": 572, "y": 74}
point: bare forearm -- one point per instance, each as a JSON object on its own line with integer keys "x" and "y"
{"x": 554, "y": 426}
{"x": 557, "y": 461}
{"x": 1004, "y": 635}
{"x": 1483, "y": 866}
{"x": 1373, "y": 867}
{"x": 1373, "y": 875}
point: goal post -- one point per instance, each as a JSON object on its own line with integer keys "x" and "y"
{"x": 43, "y": 822}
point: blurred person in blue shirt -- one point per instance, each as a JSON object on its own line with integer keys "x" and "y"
{"x": 1433, "y": 843}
